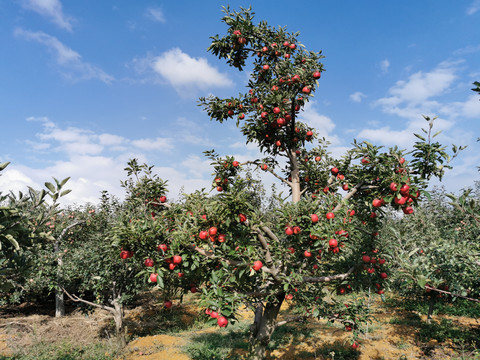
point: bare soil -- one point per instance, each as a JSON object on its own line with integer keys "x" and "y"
{"x": 24, "y": 326}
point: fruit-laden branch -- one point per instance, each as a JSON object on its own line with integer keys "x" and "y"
{"x": 64, "y": 231}
{"x": 328, "y": 278}
{"x": 268, "y": 257}
{"x": 211, "y": 256}
{"x": 77, "y": 299}
{"x": 291, "y": 319}
{"x": 348, "y": 196}
{"x": 270, "y": 171}
{"x": 156, "y": 203}
{"x": 450, "y": 293}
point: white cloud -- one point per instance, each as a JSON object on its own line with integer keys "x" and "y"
{"x": 357, "y": 96}
{"x": 421, "y": 86}
{"x": 384, "y": 65}
{"x": 51, "y": 9}
{"x": 474, "y": 7}
{"x": 156, "y": 14}
{"x": 68, "y": 59}
{"x": 322, "y": 123}
{"x": 184, "y": 72}
{"x": 164, "y": 144}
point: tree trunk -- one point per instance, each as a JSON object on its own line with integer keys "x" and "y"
{"x": 263, "y": 327}
{"x": 431, "y": 306}
{"x": 59, "y": 300}
{"x": 119, "y": 326}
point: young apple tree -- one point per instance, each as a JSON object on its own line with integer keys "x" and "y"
{"x": 307, "y": 249}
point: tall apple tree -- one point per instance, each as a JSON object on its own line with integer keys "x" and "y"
{"x": 321, "y": 241}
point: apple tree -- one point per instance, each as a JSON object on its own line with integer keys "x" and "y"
{"x": 308, "y": 249}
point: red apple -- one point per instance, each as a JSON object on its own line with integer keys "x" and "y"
{"x": 203, "y": 235}
{"x": 306, "y": 90}
{"x": 296, "y": 230}
{"x": 289, "y": 230}
{"x": 163, "y": 199}
{"x": 377, "y": 202}
{"x": 177, "y": 259}
{"x": 257, "y": 265}
{"x": 393, "y": 187}
{"x": 222, "y": 238}
{"x": 167, "y": 304}
{"x": 276, "y": 110}
{"x": 333, "y": 243}
{"x": 212, "y": 231}
{"x": 222, "y": 321}
{"x": 148, "y": 262}
{"x": 307, "y": 254}
{"x": 314, "y": 218}
{"x": 383, "y": 275}
{"x": 242, "y": 218}
{"x": 317, "y": 74}
{"x": 162, "y": 247}
{"x": 266, "y": 67}
{"x": 330, "y": 215}
{"x": 153, "y": 277}
{"x": 334, "y": 171}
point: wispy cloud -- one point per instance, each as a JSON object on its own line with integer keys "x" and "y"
{"x": 69, "y": 60}
{"x": 51, "y": 9}
{"x": 384, "y": 65}
{"x": 474, "y": 7}
{"x": 357, "y": 96}
{"x": 156, "y": 14}
{"x": 183, "y": 72}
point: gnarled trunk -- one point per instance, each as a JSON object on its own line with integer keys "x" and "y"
{"x": 59, "y": 300}
{"x": 263, "y": 327}
{"x": 119, "y": 326}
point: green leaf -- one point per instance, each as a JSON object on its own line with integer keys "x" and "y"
{"x": 65, "y": 192}
{"x": 50, "y": 186}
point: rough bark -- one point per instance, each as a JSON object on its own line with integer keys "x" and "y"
{"x": 59, "y": 299}
{"x": 263, "y": 327}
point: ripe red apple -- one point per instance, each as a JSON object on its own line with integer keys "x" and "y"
{"x": 212, "y": 231}
{"x": 345, "y": 187}
{"x": 314, "y": 218}
{"x": 177, "y": 259}
{"x": 401, "y": 161}
{"x": 172, "y": 266}
{"x": 393, "y": 186}
{"x": 203, "y": 235}
{"x": 381, "y": 261}
{"x": 242, "y": 40}
{"x": 162, "y": 247}
{"x": 214, "y": 314}
{"x": 222, "y": 321}
{"x": 219, "y": 188}
{"x": 163, "y": 199}
{"x": 264, "y": 167}
{"x": 317, "y": 74}
{"x": 366, "y": 258}
{"x": 222, "y": 238}
{"x": 257, "y": 265}
{"x": 404, "y": 189}
{"x": 148, "y": 262}
{"x": 266, "y": 67}
{"x": 330, "y": 215}
{"x": 289, "y": 296}
{"x": 334, "y": 171}
{"x": 153, "y": 277}
{"x": 377, "y": 202}
{"x": 292, "y": 46}
{"x": 296, "y": 230}
{"x": 408, "y": 210}
{"x": 307, "y": 254}
{"x": 193, "y": 289}
{"x": 383, "y": 275}
{"x": 333, "y": 243}
{"x": 167, "y": 304}
{"x": 318, "y": 158}
{"x": 365, "y": 160}
{"x": 276, "y": 110}
{"x": 124, "y": 254}
{"x": 289, "y": 230}
{"x": 309, "y": 133}
{"x": 242, "y": 218}
{"x": 180, "y": 274}
{"x": 355, "y": 345}
{"x": 306, "y": 90}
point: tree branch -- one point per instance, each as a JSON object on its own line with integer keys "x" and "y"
{"x": 328, "y": 278}
{"x": 77, "y": 299}
{"x": 210, "y": 255}
{"x": 450, "y": 293}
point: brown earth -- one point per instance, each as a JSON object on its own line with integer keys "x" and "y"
{"x": 20, "y": 330}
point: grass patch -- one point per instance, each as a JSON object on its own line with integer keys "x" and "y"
{"x": 66, "y": 351}
{"x": 337, "y": 350}
{"x": 459, "y": 307}
{"x": 219, "y": 344}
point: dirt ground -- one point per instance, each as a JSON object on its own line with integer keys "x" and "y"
{"x": 24, "y": 326}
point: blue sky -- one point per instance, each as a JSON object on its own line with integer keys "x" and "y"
{"x": 87, "y": 85}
